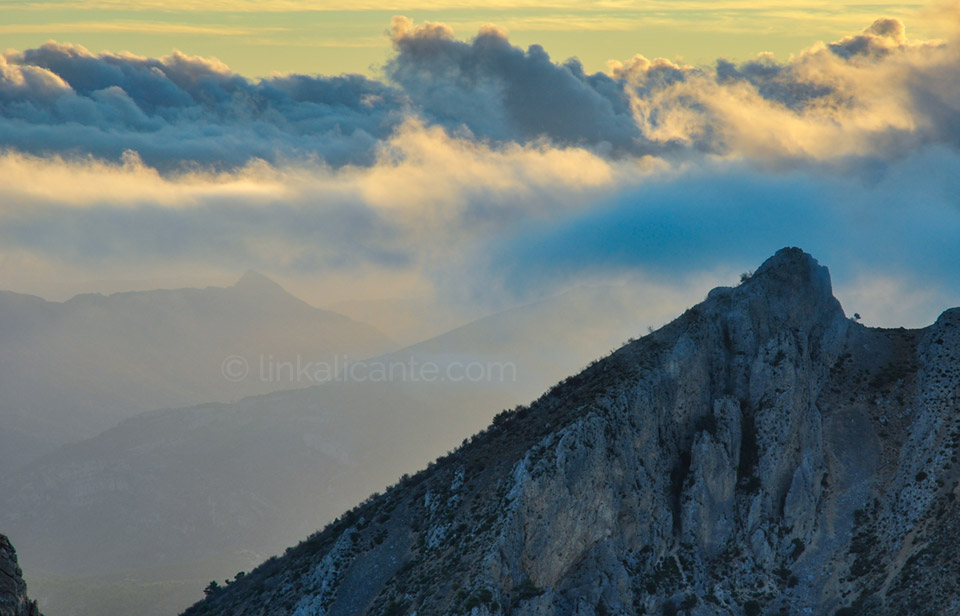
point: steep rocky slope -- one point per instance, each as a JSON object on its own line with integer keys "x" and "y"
{"x": 13, "y": 590}
{"x": 762, "y": 454}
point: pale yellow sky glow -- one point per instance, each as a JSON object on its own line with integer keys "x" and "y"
{"x": 337, "y": 36}
{"x": 414, "y": 5}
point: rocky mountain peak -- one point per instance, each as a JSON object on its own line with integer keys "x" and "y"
{"x": 760, "y": 455}
{"x": 794, "y": 268}
{"x": 13, "y": 590}
{"x": 790, "y": 290}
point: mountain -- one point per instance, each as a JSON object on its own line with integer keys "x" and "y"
{"x": 13, "y": 590}
{"x": 71, "y": 370}
{"x": 169, "y": 499}
{"x": 761, "y": 454}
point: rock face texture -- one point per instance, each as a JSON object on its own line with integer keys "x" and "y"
{"x": 762, "y": 454}
{"x": 13, "y": 590}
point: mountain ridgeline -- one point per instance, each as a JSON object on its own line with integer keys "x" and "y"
{"x": 761, "y": 454}
{"x": 74, "y": 369}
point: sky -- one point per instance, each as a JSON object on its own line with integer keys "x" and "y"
{"x": 480, "y": 156}
{"x": 332, "y": 37}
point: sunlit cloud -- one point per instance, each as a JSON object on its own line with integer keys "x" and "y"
{"x": 482, "y": 171}
{"x": 427, "y": 194}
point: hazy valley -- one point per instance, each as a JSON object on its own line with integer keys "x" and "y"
{"x": 142, "y": 516}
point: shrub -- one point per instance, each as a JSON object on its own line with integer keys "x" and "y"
{"x": 798, "y": 548}
{"x": 526, "y": 589}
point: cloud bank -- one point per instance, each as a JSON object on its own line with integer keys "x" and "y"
{"x": 477, "y": 169}
{"x": 180, "y": 110}
{"x": 869, "y": 92}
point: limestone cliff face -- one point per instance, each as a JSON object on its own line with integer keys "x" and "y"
{"x": 13, "y": 590}
{"x": 762, "y": 454}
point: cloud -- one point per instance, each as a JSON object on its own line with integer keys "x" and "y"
{"x": 180, "y": 110}
{"x": 900, "y": 223}
{"x": 491, "y": 226}
{"x": 482, "y": 171}
{"x": 895, "y": 300}
{"x": 501, "y": 92}
{"x": 427, "y": 194}
{"x": 876, "y": 92}
{"x": 882, "y": 37}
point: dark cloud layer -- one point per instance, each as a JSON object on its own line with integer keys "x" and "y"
{"x": 773, "y": 81}
{"x": 499, "y": 91}
{"x": 180, "y": 110}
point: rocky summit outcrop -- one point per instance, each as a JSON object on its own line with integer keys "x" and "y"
{"x": 762, "y": 454}
{"x": 13, "y": 590}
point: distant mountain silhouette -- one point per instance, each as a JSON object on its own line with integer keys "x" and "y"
{"x": 70, "y": 370}
{"x": 183, "y": 495}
